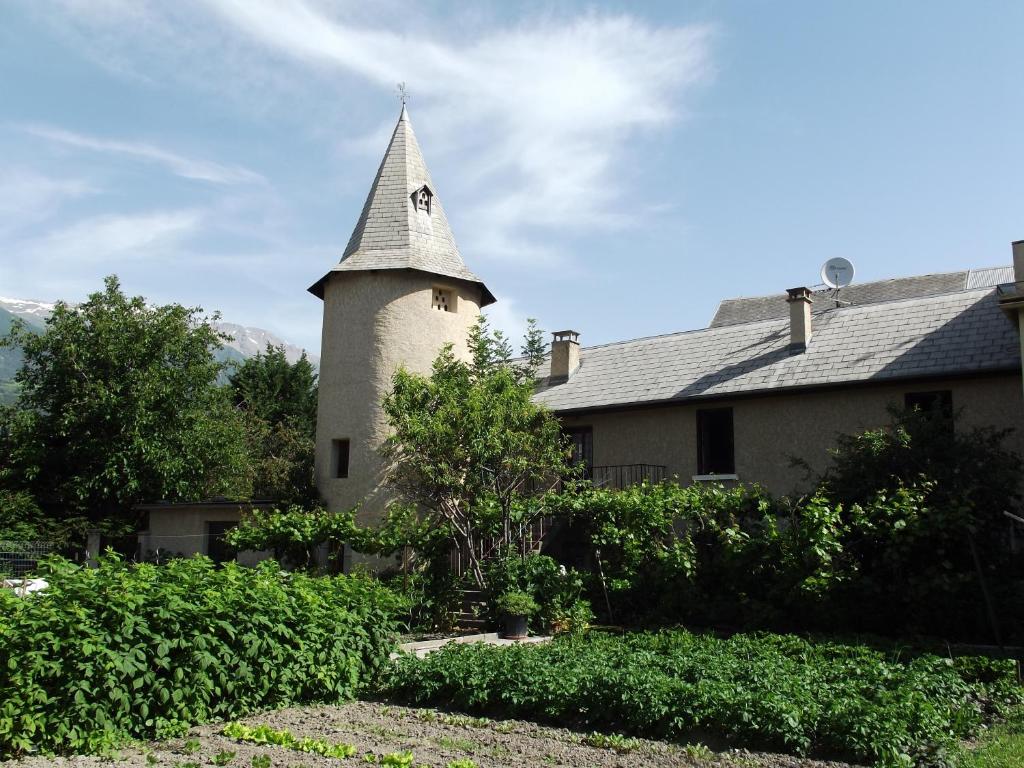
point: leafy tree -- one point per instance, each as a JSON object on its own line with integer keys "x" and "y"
{"x": 279, "y": 402}
{"x": 118, "y": 404}
{"x": 276, "y": 391}
{"x": 469, "y": 444}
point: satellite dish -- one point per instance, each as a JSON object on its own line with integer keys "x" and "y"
{"x": 837, "y": 273}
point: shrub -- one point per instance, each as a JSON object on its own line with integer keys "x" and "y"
{"x": 764, "y": 691}
{"x": 556, "y": 591}
{"x": 517, "y": 604}
{"x": 140, "y": 650}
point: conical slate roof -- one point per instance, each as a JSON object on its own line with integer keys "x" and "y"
{"x": 392, "y": 231}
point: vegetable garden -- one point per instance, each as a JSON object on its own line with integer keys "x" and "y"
{"x": 772, "y": 692}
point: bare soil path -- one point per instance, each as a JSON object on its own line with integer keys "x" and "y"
{"x": 435, "y": 738}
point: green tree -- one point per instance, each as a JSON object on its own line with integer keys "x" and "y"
{"x": 279, "y": 402}
{"x": 118, "y": 404}
{"x": 276, "y": 391}
{"x": 469, "y": 446}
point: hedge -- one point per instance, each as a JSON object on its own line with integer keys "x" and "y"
{"x": 140, "y": 651}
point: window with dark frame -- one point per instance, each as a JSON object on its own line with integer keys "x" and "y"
{"x": 581, "y": 440}
{"x": 339, "y": 458}
{"x": 715, "y": 454}
{"x": 938, "y": 402}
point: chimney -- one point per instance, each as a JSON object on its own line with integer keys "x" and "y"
{"x": 1018, "y": 261}
{"x": 565, "y": 354}
{"x": 799, "y": 301}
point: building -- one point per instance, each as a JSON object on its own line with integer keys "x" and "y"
{"x": 778, "y": 378}
{"x": 400, "y": 292}
{"x": 187, "y": 528}
{"x": 770, "y": 380}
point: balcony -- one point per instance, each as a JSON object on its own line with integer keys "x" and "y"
{"x": 621, "y": 476}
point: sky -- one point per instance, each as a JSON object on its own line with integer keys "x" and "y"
{"x": 614, "y": 168}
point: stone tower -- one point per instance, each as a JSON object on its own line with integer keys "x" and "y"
{"x": 400, "y": 292}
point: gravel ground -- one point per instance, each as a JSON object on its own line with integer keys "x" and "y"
{"x": 434, "y": 737}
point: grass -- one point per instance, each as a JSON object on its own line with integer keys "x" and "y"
{"x": 1002, "y": 746}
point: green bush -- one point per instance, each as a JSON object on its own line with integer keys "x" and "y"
{"x": 516, "y": 604}
{"x": 141, "y": 650}
{"x": 556, "y": 590}
{"x": 774, "y": 692}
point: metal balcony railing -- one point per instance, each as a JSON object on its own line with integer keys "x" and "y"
{"x": 625, "y": 475}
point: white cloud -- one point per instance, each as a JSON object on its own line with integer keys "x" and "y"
{"x": 542, "y": 116}
{"x": 189, "y": 168}
{"x": 543, "y": 113}
{"x": 27, "y": 197}
{"x": 110, "y": 237}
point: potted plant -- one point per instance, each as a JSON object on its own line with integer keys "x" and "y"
{"x": 517, "y": 607}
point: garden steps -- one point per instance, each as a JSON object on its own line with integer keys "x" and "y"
{"x": 423, "y": 647}
{"x": 472, "y": 614}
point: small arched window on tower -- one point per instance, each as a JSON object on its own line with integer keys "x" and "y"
{"x": 421, "y": 198}
{"x": 444, "y": 299}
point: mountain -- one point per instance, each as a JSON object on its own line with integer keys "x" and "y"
{"x": 245, "y": 341}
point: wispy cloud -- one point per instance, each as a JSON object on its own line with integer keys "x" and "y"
{"x": 27, "y": 196}
{"x": 110, "y": 237}
{"x": 543, "y": 115}
{"x": 180, "y": 165}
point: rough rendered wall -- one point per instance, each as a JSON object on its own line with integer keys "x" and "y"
{"x": 768, "y": 430}
{"x": 375, "y": 322}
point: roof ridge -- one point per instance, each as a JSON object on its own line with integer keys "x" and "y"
{"x": 785, "y": 321}
{"x": 868, "y": 282}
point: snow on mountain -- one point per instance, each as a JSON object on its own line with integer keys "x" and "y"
{"x": 27, "y": 308}
{"x": 245, "y": 340}
{"x": 250, "y": 341}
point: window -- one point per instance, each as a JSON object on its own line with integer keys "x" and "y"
{"x": 443, "y": 299}
{"x": 216, "y": 548}
{"x": 715, "y": 442}
{"x": 421, "y": 199}
{"x": 339, "y": 458}
{"x": 937, "y": 403}
{"x": 581, "y": 439}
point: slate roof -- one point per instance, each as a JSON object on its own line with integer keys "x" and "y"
{"x": 391, "y": 232}
{"x": 946, "y": 334}
{"x": 749, "y": 309}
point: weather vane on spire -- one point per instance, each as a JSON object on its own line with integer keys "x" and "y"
{"x": 403, "y": 94}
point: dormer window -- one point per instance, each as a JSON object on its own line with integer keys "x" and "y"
{"x": 421, "y": 198}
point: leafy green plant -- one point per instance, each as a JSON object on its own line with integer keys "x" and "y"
{"x": 762, "y": 691}
{"x": 556, "y": 590}
{"x": 517, "y": 604}
{"x": 397, "y": 760}
{"x": 223, "y": 757}
{"x": 461, "y": 763}
{"x": 101, "y": 655}
{"x": 264, "y": 734}
{"x": 613, "y": 741}
{"x": 698, "y": 751}
{"x": 261, "y": 761}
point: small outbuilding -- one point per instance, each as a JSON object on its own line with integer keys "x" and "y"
{"x": 183, "y": 529}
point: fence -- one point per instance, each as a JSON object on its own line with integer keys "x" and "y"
{"x": 20, "y": 558}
